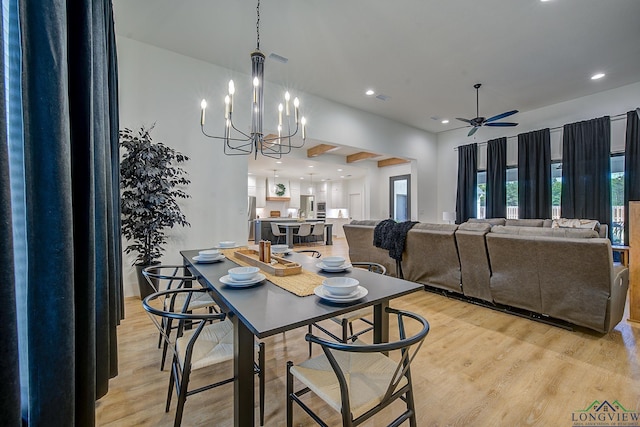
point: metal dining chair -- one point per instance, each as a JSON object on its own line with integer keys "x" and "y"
{"x": 207, "y": 342}
{"x": 359, "y": 380}
{"x": 346, "y": 320}
{"x": 164, "y": 277}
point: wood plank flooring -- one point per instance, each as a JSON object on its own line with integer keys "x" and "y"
{"x": 478, "y": 367}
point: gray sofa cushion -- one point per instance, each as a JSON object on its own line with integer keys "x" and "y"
{"x": 525, "y": 223}
{"x": 435, "y": 227}
{"x": 574, "y": 233}
{"x": 491, "y": 221}
{"x": 475, "y": 226}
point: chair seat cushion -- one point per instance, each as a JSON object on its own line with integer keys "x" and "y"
{"x": 353, "y": 315}
{"x": 214, "y": 345}
{"x": 368, "y": 376}
{"x": 198, "y": 300}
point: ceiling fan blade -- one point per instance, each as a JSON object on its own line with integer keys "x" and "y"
{"x": 472, "y": 131}
{"x": 501, "y": 116}
{"x": 501, "y": 124}
{"x": 464, "y": 120}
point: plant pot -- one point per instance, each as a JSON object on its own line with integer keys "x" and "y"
{"x": 143, "y": 285}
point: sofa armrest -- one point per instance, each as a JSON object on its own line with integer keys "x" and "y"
{"x": 618, "y": 298}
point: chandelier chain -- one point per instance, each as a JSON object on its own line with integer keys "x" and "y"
{"x": 258, "y": 26}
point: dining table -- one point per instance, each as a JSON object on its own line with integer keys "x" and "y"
{"x": 291, "y": 226}
{"x": 266, "y": 309}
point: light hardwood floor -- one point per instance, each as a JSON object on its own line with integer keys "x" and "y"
{"x": 478, "y": 367}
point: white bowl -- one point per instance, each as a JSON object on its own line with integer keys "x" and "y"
{"x": 227, "y": 244}
{"x": 209, "y": 254}
{"x": 279, "y": 249}
{"x": 243, "y": 273}
{"x": 333, "y": 261}
{"x": 340, "y": 285}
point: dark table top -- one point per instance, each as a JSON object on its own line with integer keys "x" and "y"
{"x": 267, "y": 309}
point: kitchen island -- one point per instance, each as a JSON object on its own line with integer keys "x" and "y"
{"x": 262, "y": 227}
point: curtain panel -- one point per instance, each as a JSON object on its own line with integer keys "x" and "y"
{"x": 534, "y": 174}
{"x": 466, "y": 199}
{"x": 69, "y": 149}
{"x": 496, "y": 196}
{"x": 9, "y": 363}
{"x": 586, "y": 170}
{"x": 631, "y": 166}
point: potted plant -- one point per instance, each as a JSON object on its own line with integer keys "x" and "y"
{"x": 152, "y": 182}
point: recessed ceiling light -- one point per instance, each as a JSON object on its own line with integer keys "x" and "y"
{"x": 370, "y": 92}
{"x": 310, "y": 166}
{"x": 279, "y": 162}
{"x": 597, "y": 76}
{"x": 277, "y": 176}
{"x": 445, "y": 121}
{"x": 302, "y": 177}
{"x": 342, "y": 176}
{"x": 339, "y": 170}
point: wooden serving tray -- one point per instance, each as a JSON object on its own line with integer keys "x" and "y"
{"x": 283, "y": 267}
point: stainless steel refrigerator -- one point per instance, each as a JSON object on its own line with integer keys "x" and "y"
{"x": 251, "y": 214}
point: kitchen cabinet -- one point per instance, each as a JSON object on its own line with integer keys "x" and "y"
{"x": 271, "y": 190}
{"x": 261, "y": 192}
{"x": 294, "y": 187}
{"x": 321, "y": 192}
{"x": 338, "y": 196}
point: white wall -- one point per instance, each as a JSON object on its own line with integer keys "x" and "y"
{"x": 162, "y": 87}
{"x": 612, "y": 102}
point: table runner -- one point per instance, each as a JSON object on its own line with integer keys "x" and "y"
{"x": 301, "y": 284}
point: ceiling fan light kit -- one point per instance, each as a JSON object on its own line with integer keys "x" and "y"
{"x": 480, "y": 121}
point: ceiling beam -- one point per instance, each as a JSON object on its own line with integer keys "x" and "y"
{"x": 392, "y": 161}
{"x": 363, "y": 155}
{"x": 320, "y": 149}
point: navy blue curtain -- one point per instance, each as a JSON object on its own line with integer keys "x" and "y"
{"x": 497, "y": 178}
{"x": 467, "y": 196}
{"x": 9, "y": 363}
{"x": 631, "y": 166}
{"x": 68, "y": 147}
{"x": 534, "y": 174}
{"x": 586, "y": 170}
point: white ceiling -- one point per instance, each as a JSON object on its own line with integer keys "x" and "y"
{"x": 425, "y": 55}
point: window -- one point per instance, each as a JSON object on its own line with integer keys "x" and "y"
{"x": 512, "y": 193}
{"x": 481, "y": 194}
{"x": 617, "y": 199}
{"x": 556, "y": 189}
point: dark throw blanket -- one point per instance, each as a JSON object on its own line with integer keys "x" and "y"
{"x": 392, "y": 235}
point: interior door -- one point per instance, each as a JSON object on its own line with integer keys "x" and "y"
{"x": 355, "y": 206}
{"x": 400, "y": 197}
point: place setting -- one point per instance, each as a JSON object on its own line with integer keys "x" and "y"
{"x": 340, "y": 290}
{"x": 226, "y": 244}
{"x": 333, "y": 264}
{"x": 208, "y": 256}
{"x": 242, "y": 277}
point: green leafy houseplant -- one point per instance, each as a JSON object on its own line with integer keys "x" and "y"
{"x": 152, "y": 182}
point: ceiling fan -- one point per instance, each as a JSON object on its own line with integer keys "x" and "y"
{"x": 491, "y": 121}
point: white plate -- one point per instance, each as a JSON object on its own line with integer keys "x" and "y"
{"x": 361, "y": 292}
{"x": 226, "y": 247}
{"x": 198, "y": 259}
{"x": 244, "y": 283}
{"x": 348, "y": 296}
{"x": 324, "y": 267}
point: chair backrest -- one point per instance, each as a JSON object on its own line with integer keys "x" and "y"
{"x": 305, "y": 229}
{"x": 407, "y": 347}
{"x": 164, "y": 277}
{"x": 275, "y": 230}
{"x": 172, "y": 305}
{"x": 318, "y": 229}
{"x": 371, "y": 266}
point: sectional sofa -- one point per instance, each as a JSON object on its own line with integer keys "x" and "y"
{"x": 525, "y": 266}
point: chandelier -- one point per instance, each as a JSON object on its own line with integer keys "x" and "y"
{"x": 255, "y": 141}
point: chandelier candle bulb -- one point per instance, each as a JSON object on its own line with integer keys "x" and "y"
{"x": 226, "y": 107}
{"x": 303, "y": 121}
{"x": 203, "y": 105}
{"x": 296, "y": 104}
{"x": 232, "y": 90}
{"x": 279, "y": 117}
{"x": 287, "y": 97}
